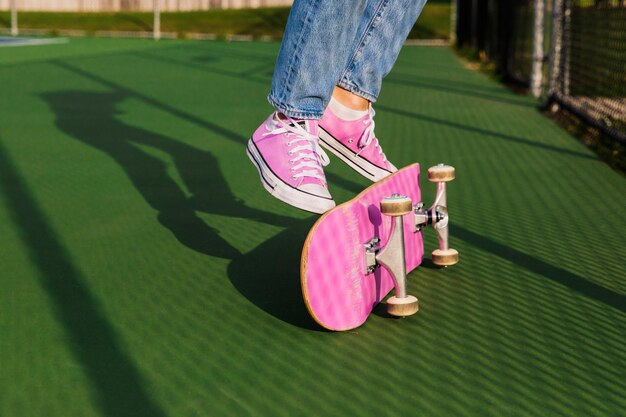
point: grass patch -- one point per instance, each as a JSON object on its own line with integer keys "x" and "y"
{"x": 256, "y": 22}
{"x": 434, "y": 22}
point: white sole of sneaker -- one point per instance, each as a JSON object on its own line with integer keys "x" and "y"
{"x": 283, "y": 191}
{"x": 357, "y": 163}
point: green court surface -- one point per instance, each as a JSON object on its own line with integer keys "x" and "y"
{"x": 144, "y": 271}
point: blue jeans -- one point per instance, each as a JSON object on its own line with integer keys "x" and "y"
{"x": 349, "y": 43}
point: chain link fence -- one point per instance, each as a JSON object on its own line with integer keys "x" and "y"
{"x": 588, "y": 67}
{"x": 582, "y": 56}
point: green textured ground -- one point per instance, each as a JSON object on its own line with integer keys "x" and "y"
{"x": 145, "y": 272}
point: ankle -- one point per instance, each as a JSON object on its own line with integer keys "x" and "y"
{"x": 344, "y": 112}
{"x": 350, "y": 100}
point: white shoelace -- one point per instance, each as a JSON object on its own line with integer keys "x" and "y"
{"x": 307, "y": 157}
{"x": 369, "y": 136}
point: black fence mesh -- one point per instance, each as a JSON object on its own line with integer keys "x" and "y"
{"x": 585, "y": 41}
{"x": 590, "y": 74}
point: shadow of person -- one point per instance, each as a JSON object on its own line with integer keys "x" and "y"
{"x": 268, "y": 275}
{"x": 118, "y": 386}
{"x": 90, "y": 117}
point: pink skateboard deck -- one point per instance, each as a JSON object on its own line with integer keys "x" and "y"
{"x": 337, "y": 291}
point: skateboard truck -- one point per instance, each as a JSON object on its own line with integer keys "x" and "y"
{"x": 437, "y": 215}
{"x": 392, "y": 256}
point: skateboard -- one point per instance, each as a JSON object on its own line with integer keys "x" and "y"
{"x": 356, "y": 253}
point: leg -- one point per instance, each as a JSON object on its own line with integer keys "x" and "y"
{"x": 318, "y": 42}
{"x": 383, "y": 30}
{"x": 326, "y": 43}
{"x": 351, "y": 100}
{"x": 347, "y": 128}
{"x": 315, "y": 50}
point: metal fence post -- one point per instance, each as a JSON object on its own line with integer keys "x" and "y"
{"x": 14, "y": 29}
{"x": 556, "y": 47}
{"x": 157, "y": 20}
{"x": 453, "y": 22}
{"x": 567, "y": 47}
{"x": 536, "y": 74}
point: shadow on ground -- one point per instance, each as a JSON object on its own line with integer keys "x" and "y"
{"x": 90, "y": 117}
{"x": 454, "y": 87}
{"x": 268, "y": 275}
{"x": 486, "y": 132}
{"x": 559, "y": 275}
{"x": 118, "y": 387}
{"x": 269, "y": 284}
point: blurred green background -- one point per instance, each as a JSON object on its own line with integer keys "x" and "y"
{"x": 434, "y": 23}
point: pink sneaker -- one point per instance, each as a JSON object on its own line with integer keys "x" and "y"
{"x": 354, "y": 142}
{"x": 287, "y": 154}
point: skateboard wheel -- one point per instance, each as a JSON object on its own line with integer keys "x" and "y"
{"x": 441, "y": 173}
{"x": 396, "y": 205}
{"x": 445, "y": 257}
{"x": 402, "y": 307}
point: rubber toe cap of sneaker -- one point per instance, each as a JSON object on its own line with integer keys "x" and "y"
{"x": 317, "y": 198}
